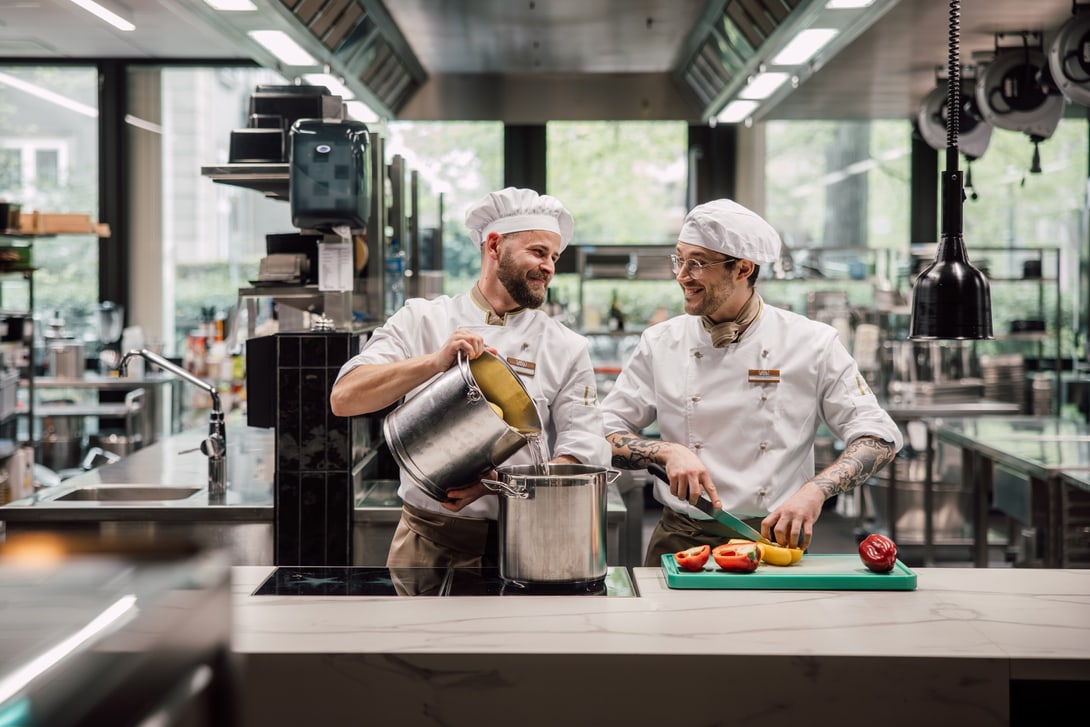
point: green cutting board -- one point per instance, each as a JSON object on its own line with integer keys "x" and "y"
{"x": 813, "y": 573}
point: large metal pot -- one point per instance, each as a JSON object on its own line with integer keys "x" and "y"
{"x": 552, "y": 525}
{"x": 449, "y": 434}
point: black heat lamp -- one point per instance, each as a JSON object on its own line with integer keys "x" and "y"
{"x": 950, "y": 298}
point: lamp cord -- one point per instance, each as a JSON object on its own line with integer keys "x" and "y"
{"x": 953, "y": 101}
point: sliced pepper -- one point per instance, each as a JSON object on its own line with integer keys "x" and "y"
{"x": 694, "y": 558}
{"x": 738, "y": 557}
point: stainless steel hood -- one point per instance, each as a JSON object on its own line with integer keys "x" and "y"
{"x": 529, "y": 61}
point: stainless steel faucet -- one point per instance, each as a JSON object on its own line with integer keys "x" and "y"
{"x": 215, "y": 446}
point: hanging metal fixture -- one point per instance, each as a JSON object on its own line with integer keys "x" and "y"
{"x": 951, "y": 298}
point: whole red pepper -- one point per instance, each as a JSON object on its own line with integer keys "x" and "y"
{"x": 738, "y": 557}
{"x": 878, "y": 552}
{"x": 694, "y": 558}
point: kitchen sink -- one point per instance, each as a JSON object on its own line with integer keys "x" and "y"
{"x": 128, "y": 493}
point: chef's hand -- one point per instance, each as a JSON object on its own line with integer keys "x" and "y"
{"x": 459, "y": 498}
{"x": 792, "y": 523}
{"x": 464, "y": 340}
{"x": 688, "y": 475}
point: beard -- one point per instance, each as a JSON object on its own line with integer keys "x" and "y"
{"x": 515, "y": 281}
{"x": 711, "y": 301}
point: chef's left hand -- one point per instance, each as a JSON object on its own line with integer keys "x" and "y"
{"x": 792, "y": 523}
{"x": 459, "y": 498}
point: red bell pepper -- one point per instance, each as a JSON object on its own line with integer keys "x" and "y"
{"x": 878, "y": 553}
{"x": 694, "y": 558}
{"x": 738, "y": 557}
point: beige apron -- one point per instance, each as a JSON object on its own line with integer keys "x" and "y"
{"x": 676, "y": 531}
{"x": 431, "y": 539}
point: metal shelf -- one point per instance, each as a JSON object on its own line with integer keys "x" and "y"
{"x": 269, "y": 179}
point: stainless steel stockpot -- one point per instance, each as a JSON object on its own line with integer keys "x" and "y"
{"x": 552, "y": 525}
{"x": 469, "y": 419}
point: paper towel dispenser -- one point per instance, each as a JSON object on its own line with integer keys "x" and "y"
{"x": 329, "y": 180}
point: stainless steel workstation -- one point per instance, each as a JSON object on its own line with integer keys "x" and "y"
{"x": 176, "y": 551}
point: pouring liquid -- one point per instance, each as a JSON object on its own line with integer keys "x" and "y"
{"x": 539, "y": 451}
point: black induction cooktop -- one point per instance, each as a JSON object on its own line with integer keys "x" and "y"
{"x": 378, "y": 581}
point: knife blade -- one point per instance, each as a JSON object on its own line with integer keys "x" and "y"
{"x": 705, "y": 505}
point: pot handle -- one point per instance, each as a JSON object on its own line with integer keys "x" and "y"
{"x": 473, "y": 394}
{"x": 503, "y": 488}
{"x": 614, "y": 473}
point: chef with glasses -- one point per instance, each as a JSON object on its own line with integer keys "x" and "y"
{"x": 739, "y": 389}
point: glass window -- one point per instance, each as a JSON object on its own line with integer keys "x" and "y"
{"x": 462, "y": 161}
{"x": 213, "y": 235}
{"x": 625, "y": 183}
{"x": 49, "y": 164}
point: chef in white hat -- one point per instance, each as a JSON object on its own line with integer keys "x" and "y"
{"x": 739, "y": 388}
{"x": 521, "y": 234}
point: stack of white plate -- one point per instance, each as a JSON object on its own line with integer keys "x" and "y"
{"x": 1004, "y": 378}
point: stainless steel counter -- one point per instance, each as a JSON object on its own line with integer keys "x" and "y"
{"x": 243, "y": 522}
{"x": 1029, "y": 468}
{"x": 128, "y": 634}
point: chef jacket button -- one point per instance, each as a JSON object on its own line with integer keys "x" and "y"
{"x": 764, "y": 445}
{"x": 764, "y": 397}
{"x": 764, "y": 353}
{"x": 697, "y": 354}
{"x": 697, "y": 445}
{"x": 694, "y": 398}
{"x": 762, "y": 492}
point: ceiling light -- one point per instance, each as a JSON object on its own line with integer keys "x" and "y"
{"x": 736, "y": 111}
{"x": 950, "y": 298}
{"x": 103, "y": 13}
{"x": 331, "y": 82}
{"x": 838, "y": 4}
{"x": 283, "y": 47}
{"x": 231, "y": 6}
{"x": 763, "y": 85}
{"x": 804, "y": 46}
{"x": 360, "y": 111}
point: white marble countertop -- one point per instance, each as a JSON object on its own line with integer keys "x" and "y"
{"x": 1037, "y": 619}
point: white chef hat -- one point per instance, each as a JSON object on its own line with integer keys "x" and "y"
{"x": 728, "y": 227}
{"x": 516, "y": 210}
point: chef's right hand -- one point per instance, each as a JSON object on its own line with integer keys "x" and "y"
{"x": 464, "y": 340}
{"x": 688, "y": 475}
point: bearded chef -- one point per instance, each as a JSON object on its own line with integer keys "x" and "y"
{"x": 739, "y": 389}
{"x": 521, "y": 235}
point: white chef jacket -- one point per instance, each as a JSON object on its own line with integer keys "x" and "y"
{"x": 562, "y": 384}
{"x": 750, "y": 410}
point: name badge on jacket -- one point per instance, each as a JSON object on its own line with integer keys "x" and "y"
{"x": 526, "y": 368}
{"x": 764, "y": 376}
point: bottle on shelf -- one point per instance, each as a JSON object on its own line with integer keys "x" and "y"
{"x": 616, "y": 315}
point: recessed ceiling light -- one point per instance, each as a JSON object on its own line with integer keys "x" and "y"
{"x": 103, "y": 13}
{"x": 804, "y": 46}
{"x": 331, "y": 82}
{"x": 736, "y": 111}
{"x": 283, "y": 47}
{"x": 763, "y": 85}
{"x": 231, "y": 6}
{"x": 843, "y": 4}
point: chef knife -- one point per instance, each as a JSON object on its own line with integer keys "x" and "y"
{"x": 705, "y": 505}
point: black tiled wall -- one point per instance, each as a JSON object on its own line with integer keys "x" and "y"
{"x": 314, "y": 493}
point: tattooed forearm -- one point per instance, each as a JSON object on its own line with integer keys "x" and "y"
{"x": 631, "y": 452}
{"x": 860, "y": 461}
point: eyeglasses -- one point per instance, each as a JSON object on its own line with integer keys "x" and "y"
{"x": 694, "y": 268}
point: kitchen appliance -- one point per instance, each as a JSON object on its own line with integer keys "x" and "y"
{"x": 449, "y": 433}
{"x": 1069, "y": 58}
{"x": 552, "y": 523}
{"x": 441, "y": 582}
{"x": 66, "y": 359}
{"x": 705, "y": 505}
{"x": 814, "y": 572}
{"x": 973, "y": 133}
{"x": 329, "y": 179}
